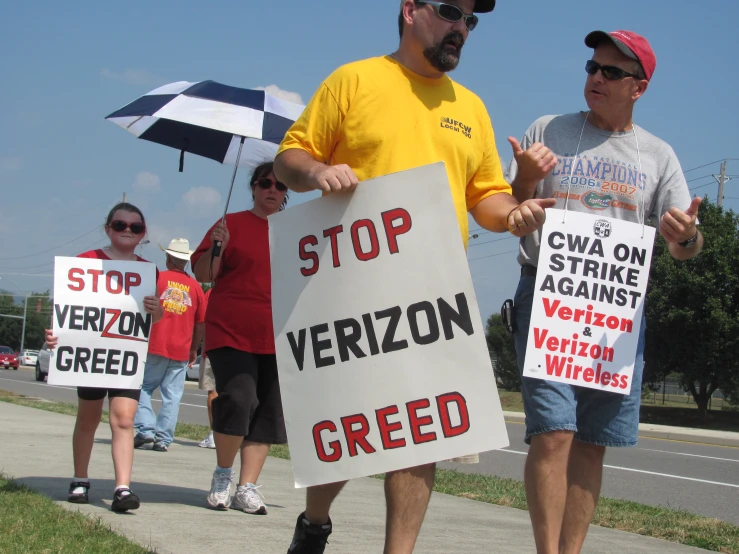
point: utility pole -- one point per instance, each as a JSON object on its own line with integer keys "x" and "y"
{"x": 25, "y": 311}
{"x": 721, "y": 179}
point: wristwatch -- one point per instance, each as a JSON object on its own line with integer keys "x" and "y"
{"x": 690, "y": 242}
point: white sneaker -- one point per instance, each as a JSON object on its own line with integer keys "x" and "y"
{"x": 248, "y": 499}
{"x": 207, "y": 442}
{"x": 221, "y": 487}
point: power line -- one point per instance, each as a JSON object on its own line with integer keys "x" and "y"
{"x": 97, "y": 227}
{"x": 709, "y": 163}
{"x": 492, "y": 255}
{"x": 698, "y": 178}
{"x": 701, "y": 186}
{"x": 85, "y": 249}
{"x": 27, "y": 274}
{"x": 491, "y": 241}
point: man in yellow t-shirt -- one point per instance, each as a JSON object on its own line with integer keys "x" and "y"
{"x": 388, "y": 114}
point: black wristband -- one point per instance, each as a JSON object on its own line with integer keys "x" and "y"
{"x": 691, "y": 241}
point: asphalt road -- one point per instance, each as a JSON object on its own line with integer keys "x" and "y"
{"x": 698, "y": 478}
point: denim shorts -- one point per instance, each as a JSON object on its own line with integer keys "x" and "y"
{"x": 596, "y": 417}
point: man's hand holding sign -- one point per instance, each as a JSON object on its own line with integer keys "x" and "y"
{"x": 497, "y": 213}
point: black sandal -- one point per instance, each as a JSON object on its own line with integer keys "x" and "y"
{"x": 78, "y": 497}
{"x": 124, "y": 502}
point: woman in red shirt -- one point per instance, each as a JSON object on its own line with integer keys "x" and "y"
{"x": 247, "y": 414}
{"x": 125, "y": 226}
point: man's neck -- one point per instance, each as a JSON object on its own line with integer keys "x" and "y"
{"x": 418, "y": 65}
{"x": 613, "y": 123}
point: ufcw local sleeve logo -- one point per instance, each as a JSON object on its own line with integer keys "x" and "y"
{"x": 176, "y": 298}
{"x": 456, "y": 126}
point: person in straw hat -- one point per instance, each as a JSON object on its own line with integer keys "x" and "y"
{"x": 173, "y": 345}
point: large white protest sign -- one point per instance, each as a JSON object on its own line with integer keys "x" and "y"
{"x": 589, "y": 300}
{"x": 100, "y": 321}
{"x": 381, "y": 351}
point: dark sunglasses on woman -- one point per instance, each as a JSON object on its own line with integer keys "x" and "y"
{"x": 609, "y": 72}
{"x": 119, "y": 226}
{"x": 452, "y": 13}
{"x": 267, "y": 183}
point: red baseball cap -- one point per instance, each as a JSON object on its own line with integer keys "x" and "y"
{"x": 630, "y": 44}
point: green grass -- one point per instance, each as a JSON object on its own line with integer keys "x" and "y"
{"x": 675, "y": 412}
{"x": 652, "y": 521}
{"x": 30, "y": 522}
{"x": 662, "y": 523}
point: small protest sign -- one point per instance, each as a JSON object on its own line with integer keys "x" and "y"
{"x": 589, "y": 299}
{"x": 100, "y": 322}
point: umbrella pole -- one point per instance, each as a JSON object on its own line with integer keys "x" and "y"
{"x": 217, "y": 245}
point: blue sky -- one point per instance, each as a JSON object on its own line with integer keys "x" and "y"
{"x": 65, "y": 66}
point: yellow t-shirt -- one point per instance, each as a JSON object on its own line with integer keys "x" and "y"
{"x": 378, "y": 117}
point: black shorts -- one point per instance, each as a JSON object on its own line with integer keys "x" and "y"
{"x": 248, "y": 402}
{"x": 92, "y": 393}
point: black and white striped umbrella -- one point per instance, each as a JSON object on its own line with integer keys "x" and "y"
{"x": 210, "y": 119}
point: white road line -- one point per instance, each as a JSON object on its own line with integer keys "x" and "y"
{"x": 691, "y": 455}
{"x": 193, "y": 394}
{"x": 182, "y": 404}
{"x": 37, "y": 384}
{"x": 650, "y": 473}
{"x": 75, "y": 388}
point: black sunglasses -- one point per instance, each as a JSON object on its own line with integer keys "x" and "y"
{"x": 267, "y": 183}
{"x": 119, "y": 226}
{"x": 451, "y": 13}
{"x": 609, "y": 72}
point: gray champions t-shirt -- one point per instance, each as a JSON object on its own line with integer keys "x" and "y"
{"x": 605, "y": 178}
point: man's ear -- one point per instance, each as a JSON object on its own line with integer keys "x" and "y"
{"x": 640, "y": 89}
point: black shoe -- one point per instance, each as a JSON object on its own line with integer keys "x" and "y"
{"x": 141, "y": 440}
{"x": 79, "y": 497}
{"x": 124, "y": 502}
{"x": 160, "y": 447}
{"x": 309, "y": 538}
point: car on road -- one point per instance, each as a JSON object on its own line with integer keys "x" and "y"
{"x": 8, "y": 358}
{"x": 28, "y": 357}
{"x": 42, "y": 363}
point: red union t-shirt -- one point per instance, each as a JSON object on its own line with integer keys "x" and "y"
{"x": 240, "y": 306}
{"x": 184, "y": 305}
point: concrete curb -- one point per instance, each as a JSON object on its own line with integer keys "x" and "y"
{"x": 687, "y": 434}
{"x": 683, "y": 434}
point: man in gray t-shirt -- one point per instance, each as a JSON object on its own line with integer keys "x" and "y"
{"x": 606, "y": 165}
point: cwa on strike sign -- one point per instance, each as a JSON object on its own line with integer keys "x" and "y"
{"x": 588, "y": 301}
